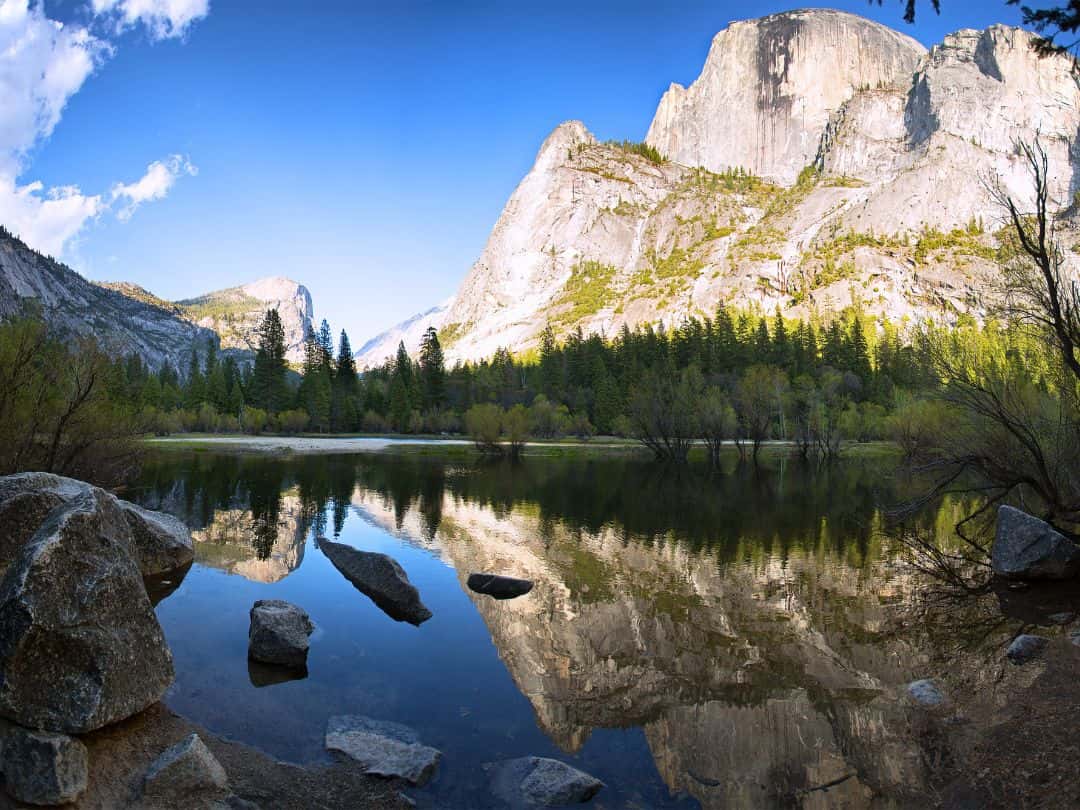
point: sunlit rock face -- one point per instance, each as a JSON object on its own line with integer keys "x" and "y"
{"x": 756, "y": 682}
{"x": 769, "y": 87}
{"x": 264, "y": 548}
{"x": 903, "y": 141}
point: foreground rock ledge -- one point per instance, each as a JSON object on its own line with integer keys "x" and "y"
{"x": 1026, "y": 547}
{"x": 43, "y": 768}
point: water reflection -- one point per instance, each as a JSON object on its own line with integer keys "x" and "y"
{"x": 740, "y": 620}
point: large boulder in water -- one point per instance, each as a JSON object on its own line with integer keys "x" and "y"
{"x": 278, "y": 633}
{"x": 380, "y": 578}
{"x": 80, "y": 646}
{"x": 1028, "y": 548}
{"x": 161, "y": 542}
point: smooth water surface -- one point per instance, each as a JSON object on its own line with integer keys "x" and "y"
{"x": 692, "y": 639}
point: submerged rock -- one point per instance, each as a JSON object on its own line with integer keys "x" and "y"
{"x": 926, "y": 692}
{"x": 383, "y": 748}
{"x": 1025, "y": 647}
{"x": 80, "y": 646}
{"x": 1028, "y": 548}
{"x": 161, "y": 542}
{"x": 541, "y": 781}
{"x": 185, "y": 775}
{"x": 279, "y": 633}
{"x": 380, "y": 578}
{"x": 43, "y": 768}
{"x": 499, "y": 587}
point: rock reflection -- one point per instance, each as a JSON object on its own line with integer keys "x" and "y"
{"x": 262, "y": 675}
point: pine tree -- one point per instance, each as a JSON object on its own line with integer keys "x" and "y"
{"x": 344, "y": 411}
{"x": 194, "y": 386}
{"x": 269, "y": 387}
{"x": 432, "y": 371}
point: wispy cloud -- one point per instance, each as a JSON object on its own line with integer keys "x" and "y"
{"x": 43, "y": 63}
{"x": 154, "y": 185}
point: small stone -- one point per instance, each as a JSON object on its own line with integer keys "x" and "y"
{"x": 1074, "y": 637}
{"x": 381, "y": 579}
{"x": 43, "y": 768}
{"x": 540, "y": 781}
{"x": 184, "y": 774}
{"x": 926, "y": 692}
{"x": 279, "y": 633}
{"x": 1026, "y": 547}
{"x": 499, "y": 587}
{"x": 1060, "y": 618}
{"x": 383, "y": 748}
{"x": 1025, "y": 647}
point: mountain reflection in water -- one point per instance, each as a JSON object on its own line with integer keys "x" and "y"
{"x": 722, "y": 639}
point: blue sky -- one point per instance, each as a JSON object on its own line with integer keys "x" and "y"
{"x": 365, "y": 151}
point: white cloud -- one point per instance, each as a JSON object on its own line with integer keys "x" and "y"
{"x": 154, "y": 185}
{"x": 163, "y": 18}
{"x": 46, "y": 220}
{"x": 43, "y": 63}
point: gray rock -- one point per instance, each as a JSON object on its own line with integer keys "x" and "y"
{"x": 1074, "y": 637}
{"x": 383, "y": 748}
{"x": 1028, "y": 548}
{"x": 185, "y": 774}
{"x": 499, "y": 587}
{"x": 381, "y": 579}
{"x": 1025, "y": 647}
{"x": 161, "y": 542}
{"x": 540, "y": 781}
{"x": 43, "y": 768}
{"x": 279, "y": 633}
{"x": 80, "y": 646}
{"x": 926, "y": 692}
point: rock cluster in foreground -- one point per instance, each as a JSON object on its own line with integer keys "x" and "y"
{"x": 80, "y": 645}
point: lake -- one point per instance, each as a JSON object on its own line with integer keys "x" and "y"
{"x": 694, "y": 638}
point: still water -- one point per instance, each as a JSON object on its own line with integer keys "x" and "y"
{"x": 693, "y": 639}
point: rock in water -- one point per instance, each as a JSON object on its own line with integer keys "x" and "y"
{"x": 43, "y": 768}
{"x": 161, "y": 542}
{"x": 279, "y": 633}
{"x": 380, "y": 578}
{"x": 185, "y": 775}
{"x": 499, "y": 587}
{"x": 1028, "y": 548}
{"x": 541, "y": 781}
{"x": 926, "y": 692}
{"x": 383, "y": 748}
{"x": 1025, "y": 647}
{"x": 80, "y": 646}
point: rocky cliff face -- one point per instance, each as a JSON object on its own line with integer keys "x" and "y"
{"x": 235, "y": 313}
{"x": 76, "y": 307}
{"x": 769, "y": 87}
{"x": 869, "y": 160}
